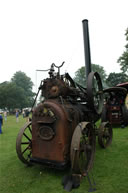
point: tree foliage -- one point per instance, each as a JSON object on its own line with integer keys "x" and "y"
{"x": 116, "y": 78}
{"x": 123, "y": 59}
{"x": 17, "y": 93}
{"x": 24, "y": 82}
{"x": 80, "y": 76}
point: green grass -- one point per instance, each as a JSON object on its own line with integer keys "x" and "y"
{"x": 110, "y": 168}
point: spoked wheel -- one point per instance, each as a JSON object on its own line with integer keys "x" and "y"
{"x": 105, "y": 134}
{"x": 24, "y": 144}
{"x": 82, "y": 148}
{"x": 95, "y": 92}
{"x": 124, "y": 115}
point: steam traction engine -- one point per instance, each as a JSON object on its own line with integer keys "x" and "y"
{"x": 115, "y": 109}
{"x": 62, "y": 131}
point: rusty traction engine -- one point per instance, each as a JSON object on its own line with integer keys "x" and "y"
{"x": 63, "y": 128}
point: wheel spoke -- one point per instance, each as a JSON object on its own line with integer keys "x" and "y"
{"x": 25, "y": 150}
{"x": 30, "y": 129}
{"x": 23, "y": 144}
{"x": 26, "y": 136}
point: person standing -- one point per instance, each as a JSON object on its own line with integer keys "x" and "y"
{"x": 1, "y": 123}
{"x": 23, "y": 113}
{"x": 5, "y": 115}
{"x": 27, "y": 115}
{"x": 17, "y": 116}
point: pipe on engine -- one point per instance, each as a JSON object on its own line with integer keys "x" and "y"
{"x": 86, "y": 47}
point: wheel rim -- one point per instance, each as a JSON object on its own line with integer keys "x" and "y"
{"x": 24, "y": 144}
{"x": 104, "y": 114}
{"x": 95, "y": 92}
{"x": 83, "y": 141}
{"x": 125, "y": 115}
{"x": 105, "y": 134}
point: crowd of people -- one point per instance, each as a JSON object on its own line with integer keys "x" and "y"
{"x": 3, "y": 115}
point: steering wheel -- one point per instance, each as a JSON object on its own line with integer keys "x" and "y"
{"x": 95, "y": 92}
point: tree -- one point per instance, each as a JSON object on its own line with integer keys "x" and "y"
{"x": 24, "y": 82}
{"x": 116, "y": 78}
{"x": 11, "y": 96}
{"x": 17, "y": 93}
{"x": 80, "y": 76}
{"x": 123, "y": 60}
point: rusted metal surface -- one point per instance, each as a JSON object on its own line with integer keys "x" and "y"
{"x": 52, "y": 88}
{"x": 52, "y": 129}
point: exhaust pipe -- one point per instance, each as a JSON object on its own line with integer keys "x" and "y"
{"x": 86, "y": 48}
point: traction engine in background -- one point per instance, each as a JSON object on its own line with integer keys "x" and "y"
{"x": 115, "y": 109}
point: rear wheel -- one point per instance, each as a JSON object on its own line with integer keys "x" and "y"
{"x": 82, "y": 148}
{"x": 105, "y": 134}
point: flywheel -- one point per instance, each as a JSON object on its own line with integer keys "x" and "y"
{"x": 95, "y": 92}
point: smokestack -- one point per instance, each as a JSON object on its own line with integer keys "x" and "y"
{"x": 86, "y": 47}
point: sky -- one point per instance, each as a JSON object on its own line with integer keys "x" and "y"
{"x": 36, "y": 33}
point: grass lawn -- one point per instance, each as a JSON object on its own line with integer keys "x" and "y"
{"x": 110, "y": 168}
